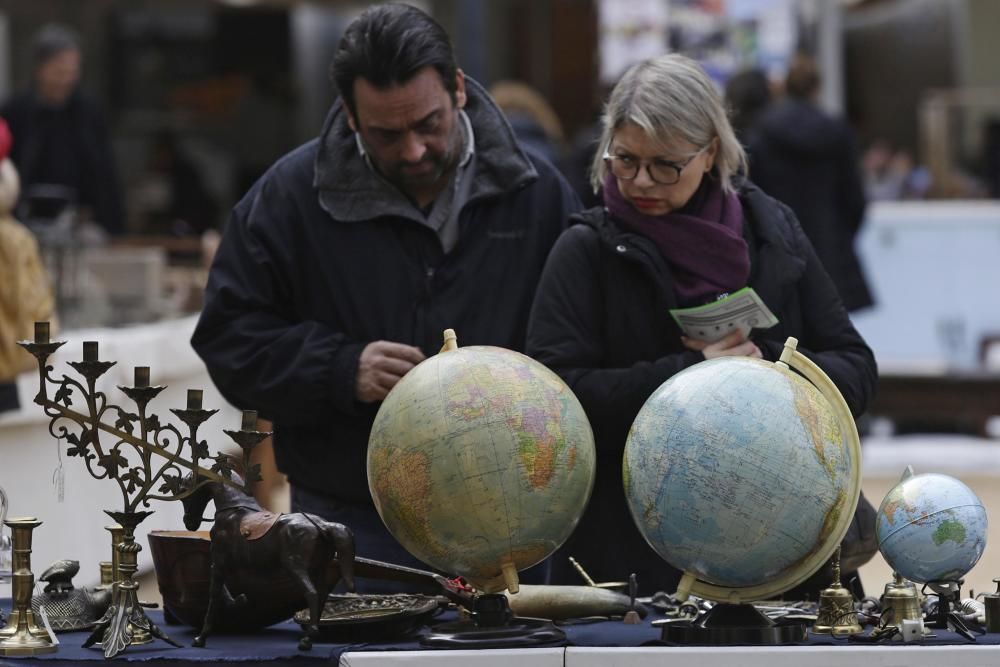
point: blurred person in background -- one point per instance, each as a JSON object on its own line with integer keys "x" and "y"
{"x": 62, "y": 148}
{"x": 25, "y": 294}
{"x": 893, "y": 175}
{"x": 809, "y": 160}
{"x": 414, "y": 211}
{"x": 678, "y": 227}
{"x": 748, "y": 94}
{"x": 534, "y": 121}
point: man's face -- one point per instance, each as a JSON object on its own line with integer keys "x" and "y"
{"x": 411, "y": 132}
{"x": 57, "y": 77}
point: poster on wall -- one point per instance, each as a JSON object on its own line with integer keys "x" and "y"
{"x": 725, "y": 36}
{"x": 630, "y": 32}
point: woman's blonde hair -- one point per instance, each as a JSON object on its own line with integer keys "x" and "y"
{"x": 671, "y": 98}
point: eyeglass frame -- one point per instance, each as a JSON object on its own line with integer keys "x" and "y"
{"x": 678, "y": 167}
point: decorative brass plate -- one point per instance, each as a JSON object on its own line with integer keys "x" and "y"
{"x": 373, "y": 615}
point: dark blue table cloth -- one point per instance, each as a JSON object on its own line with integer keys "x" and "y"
{"x": 279, "y": 643}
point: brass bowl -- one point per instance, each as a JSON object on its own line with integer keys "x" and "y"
{"x": 183, "y": 564}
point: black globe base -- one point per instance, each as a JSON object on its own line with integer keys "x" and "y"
{"x": 734, "y": 625}
{"x": 944, "y": 618}
{"x": 493, "y": 625}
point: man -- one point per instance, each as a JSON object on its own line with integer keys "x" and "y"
{"x": 801, "y": 156}
{"x": 414, "y": 211}
{"x": 62, "y": 148}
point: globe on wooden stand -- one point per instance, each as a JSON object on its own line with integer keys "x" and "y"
{"x": 480, "y": 463}
{"x": 744, "y": 475}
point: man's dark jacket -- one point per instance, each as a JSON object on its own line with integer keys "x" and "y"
{"x": 601, "y": 321}
{"x": 809, "y": 160}
{"x": 316, "y": 262}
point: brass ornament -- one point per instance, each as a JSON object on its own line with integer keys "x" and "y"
{"x": 145, "y": 457}
{"x": 22, "y": 636}
{"x": 900, "y": 602}
{"x": 836, "y": 615}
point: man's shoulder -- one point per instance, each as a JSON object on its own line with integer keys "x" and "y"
{"x": 295, "y": 169}
{"x": 548, "y": 180}
{"x": 772, "y": 220}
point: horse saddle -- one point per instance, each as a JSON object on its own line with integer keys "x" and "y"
{"x": 256, "y": 524}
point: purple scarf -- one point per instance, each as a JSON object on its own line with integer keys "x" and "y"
{"x": 702, "y": 242}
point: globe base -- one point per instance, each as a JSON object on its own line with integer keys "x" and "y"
{"x": 949, "y": 593}
{"x": 734, "y": 624}
{"x": 494, "y": 626}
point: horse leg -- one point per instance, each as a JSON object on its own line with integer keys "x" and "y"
{"x": 300, "y": 573}
{"x": 217, "y": 582}
{"x": 343, "y": 540}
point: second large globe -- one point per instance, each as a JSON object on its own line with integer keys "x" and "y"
{"x": 480, "y": 462}
{"x": 743, "y": 475}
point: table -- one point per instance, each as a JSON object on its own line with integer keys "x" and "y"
{"x": 957, "y": 401}
{"x": 933, "y": 270}
{"x": 590, "y": 644}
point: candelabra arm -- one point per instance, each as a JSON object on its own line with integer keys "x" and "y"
{"x": 131, "y": 439}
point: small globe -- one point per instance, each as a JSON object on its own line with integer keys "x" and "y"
{"x": 931, "y": 527}
{"x": 481, "y": 461}
{"x": 742, "y": 475}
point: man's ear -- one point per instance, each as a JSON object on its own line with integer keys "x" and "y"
{"x": 351, "y": 123}
{"x": 459, "y": 88}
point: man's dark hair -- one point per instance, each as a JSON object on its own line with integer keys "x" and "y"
{"x": 52, "y": 39}
{"x": 387, "y": 45}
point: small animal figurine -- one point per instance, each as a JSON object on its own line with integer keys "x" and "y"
{"x": 59, "y": 576}
{"x": 250, "y": 543}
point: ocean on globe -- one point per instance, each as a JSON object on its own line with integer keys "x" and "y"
{"x": 480, "y": 462}
{"x": 931, "y": 527}
{"x": 737, "y": 472}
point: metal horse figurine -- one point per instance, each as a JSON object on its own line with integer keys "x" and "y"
{"x": 251, "y": 543}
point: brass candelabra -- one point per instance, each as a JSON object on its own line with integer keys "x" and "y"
{"x": 147, "y": 458}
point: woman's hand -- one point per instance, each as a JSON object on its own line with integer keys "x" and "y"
{"x": 733, "y": 345}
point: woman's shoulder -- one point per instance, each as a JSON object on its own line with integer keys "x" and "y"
{"x": 772, "y": 220}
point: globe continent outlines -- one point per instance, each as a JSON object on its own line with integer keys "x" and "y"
{"x": 481, "y": 456}
{"x": 736, "y": 471}
{"x": 931, "y": 527}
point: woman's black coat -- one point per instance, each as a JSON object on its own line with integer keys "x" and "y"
{"x": 600, "y": 320}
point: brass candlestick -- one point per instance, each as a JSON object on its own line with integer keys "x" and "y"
{"x": 134, "y": 460}
{"x": 836, "y": 613}
{"x": 22, "y": 637}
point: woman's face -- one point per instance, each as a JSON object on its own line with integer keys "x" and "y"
{"x": 646, "y": 195}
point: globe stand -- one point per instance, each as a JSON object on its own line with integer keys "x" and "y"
{"x": 493, "y": 625}
{"x": 948, "y": 592}
{"x": 728, "y": 624}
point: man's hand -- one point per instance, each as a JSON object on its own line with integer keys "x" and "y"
{"x": 381, "y": 366}
{"x": 733, "y": 345}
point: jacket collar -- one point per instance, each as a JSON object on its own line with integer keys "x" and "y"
{"x": 351, "y": 192}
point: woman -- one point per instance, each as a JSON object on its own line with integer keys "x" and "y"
{"x": 678, "y": 228}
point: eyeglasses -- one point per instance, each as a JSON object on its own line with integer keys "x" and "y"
{"x": 660, "y": 171}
